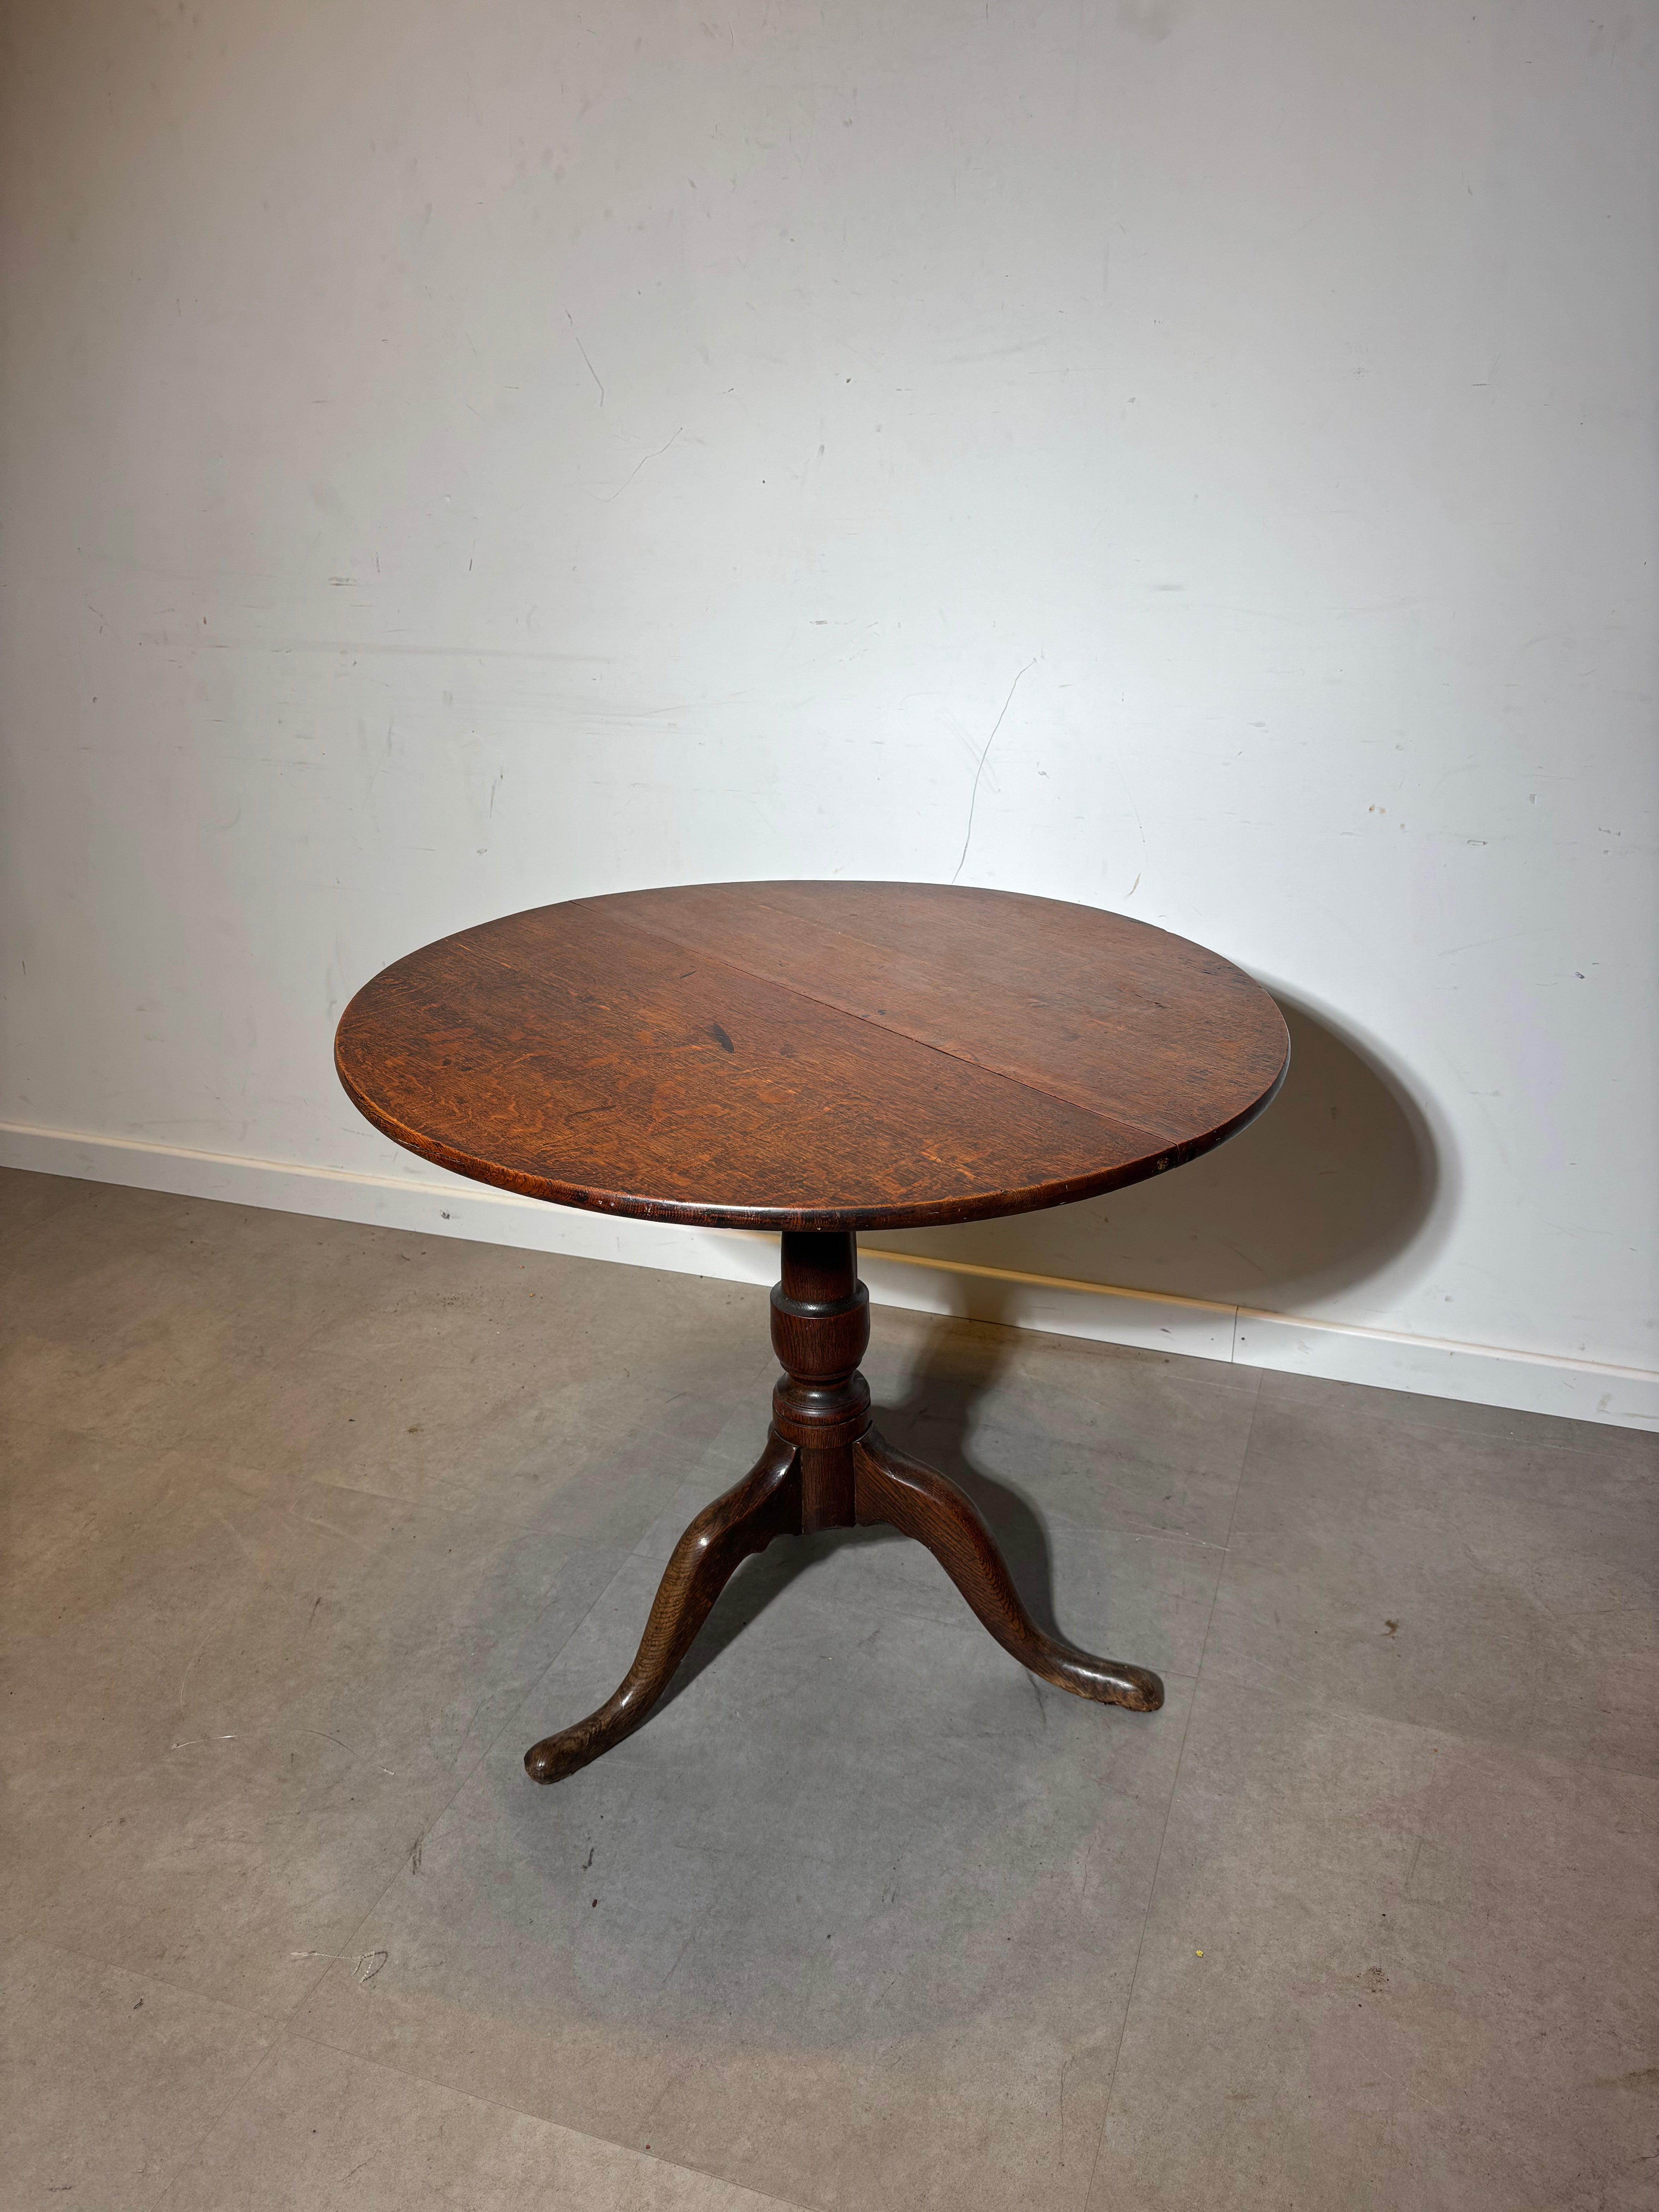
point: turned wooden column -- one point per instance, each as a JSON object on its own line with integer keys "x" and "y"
{"x": 821, "y": 1406}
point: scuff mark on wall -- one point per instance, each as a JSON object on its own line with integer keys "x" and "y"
{"x": 973, "y": 796}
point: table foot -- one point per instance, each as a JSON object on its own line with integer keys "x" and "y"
{"x": 890, "y": 1486}
{"x": 766, "y": 1504}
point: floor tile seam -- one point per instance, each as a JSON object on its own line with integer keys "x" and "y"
{"x": 168, "y": 2181}
{"x": 1059, "y": 1525}
{"x": 1434, "y": 1520}
{"x": 368, "y": 1490}
{"x": 418, "y": 1504}
{"x": 267, "y": 1734}
{"x": 274, "y": 2018}
{"x": 728, "y": 1479}
{"x": 542, "y": 1674}
{"x": 437, "y": 1814}
{"x": 1030, "y": 1350}
{"x": 1230, "y": 1380}
{"x": 1140, "y": 1946}
{"x": 281, "y": 1726}
{"x": 272, "y": 2021}
{"x": 1449, "y": 1732}
{"x": 1443, "y": 1426}
{"x": 1377, "y": 1429}
{"x": 986, "y": 1434}
{"x": 972, "y": 1636}
{"x": 1015, "y": 1427}
{"x": 968, "y": 1626}
{"x": 1239, "y": 1490}
{"x": 1226, "y": 1552}
{"x": 158, "y": 2202}
{"x": 1055, "y": 1526}
{"x": 522, "y": 2112}
{"x": 447, "y": 1512}
{"x": 881, "y": 1604}
{"x": 836, "y": 1614}
{"x": 351, "y": 1490}
{"x": 1537, "y": 1444}
{"x": 277, "y": 2018}
{"x": 1169, "y": 1813}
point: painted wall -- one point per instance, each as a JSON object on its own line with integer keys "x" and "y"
{"x": 1189, "y": 459}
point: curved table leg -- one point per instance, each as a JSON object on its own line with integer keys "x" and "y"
{"x": 764, "y": 1504}
{"x": 888, "y": 1485}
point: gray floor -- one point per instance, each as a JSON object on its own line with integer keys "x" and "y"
{"x": 312, "y": 1529}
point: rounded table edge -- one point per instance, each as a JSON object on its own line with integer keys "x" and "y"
{"x": 936, "y": 1213}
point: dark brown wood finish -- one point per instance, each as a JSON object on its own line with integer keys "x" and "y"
{"x": 815, "y": 1057}
{"x": 764, "y": 1504}
{"x": 825, "y": 1466}
{"x": 890, "y": 1486}
{"x": 811, "y": 1055}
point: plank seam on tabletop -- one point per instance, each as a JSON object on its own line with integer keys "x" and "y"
{"x": 889, "y": 1028}
{"x": 785, "y": 990}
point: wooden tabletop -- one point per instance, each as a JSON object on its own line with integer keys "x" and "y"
{"x": 811, "y": 1055}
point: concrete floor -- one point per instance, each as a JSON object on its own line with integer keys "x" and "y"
{"x": 312, "y": 1528}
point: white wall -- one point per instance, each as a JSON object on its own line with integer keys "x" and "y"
{"x": 458, "y": 457}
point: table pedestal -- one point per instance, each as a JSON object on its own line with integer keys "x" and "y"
{"x": 825, "y": 1466}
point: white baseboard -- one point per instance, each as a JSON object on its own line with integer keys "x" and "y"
{"x": 445, "y": 1206}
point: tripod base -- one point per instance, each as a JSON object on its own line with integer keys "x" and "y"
{"x": 825, "y": 1466}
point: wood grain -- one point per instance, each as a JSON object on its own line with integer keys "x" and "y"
{"x": 830, "y": 1056}
{"x": 1086, "y": 1007}
{"x": 764, "y": 1504}
{"x": 905, "y": 1493}
{"x": 816, "y": 1058}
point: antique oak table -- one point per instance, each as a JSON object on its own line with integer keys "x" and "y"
{"x": 814, "y": 1057}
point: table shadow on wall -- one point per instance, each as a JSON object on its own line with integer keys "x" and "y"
{"x": 1342, "y": 1178}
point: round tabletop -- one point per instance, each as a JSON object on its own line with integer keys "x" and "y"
{"x": 811, "y": 1055}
